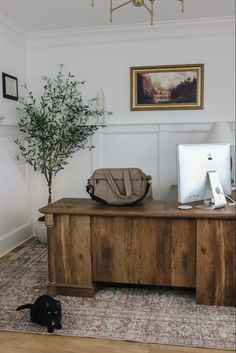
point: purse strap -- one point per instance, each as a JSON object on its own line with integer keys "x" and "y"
{"x": 127, "y": 183}
{"x": 90, "y": 191}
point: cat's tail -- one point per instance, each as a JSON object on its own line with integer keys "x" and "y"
{"x": 26, "y": 306}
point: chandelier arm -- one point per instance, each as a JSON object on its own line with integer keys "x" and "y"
{"x": 152, "y": 1}
{"x": 150, "y": 11}
{"x": 115, "y": 8}
{"x": 125, "y": 3}
{"x": 182, "y": 5}
{"x": 147, "y": 8}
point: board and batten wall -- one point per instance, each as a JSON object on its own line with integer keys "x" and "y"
{"x": 147, "y": 139}
{"x": 103, "y": 57}
{"x": 15, "y": 209}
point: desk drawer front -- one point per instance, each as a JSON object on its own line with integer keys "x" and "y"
{"x": 144, "y": 250}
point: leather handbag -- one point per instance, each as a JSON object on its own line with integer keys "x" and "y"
{"x": 118, "y": 186}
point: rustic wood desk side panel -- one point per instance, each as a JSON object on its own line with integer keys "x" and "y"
{"x": 216, "y": 262}
{"x": 141, "y": 250}
{"x": 72, "y": 255}
{"x": 51, "y": 262}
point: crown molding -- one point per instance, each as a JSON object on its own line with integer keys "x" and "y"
{"x": 213, "y": 26}
{"x": 12, "y": 31}
{"x": 9, "y": 130}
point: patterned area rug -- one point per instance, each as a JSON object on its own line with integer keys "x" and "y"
{"x": 153, "y": 315}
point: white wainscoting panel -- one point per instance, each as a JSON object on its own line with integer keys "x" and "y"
{"x": 172, "y": 135}
{"x": 149, "y": 147}
{"x": 15, "y": 212}
{"x": 120, "y": 146}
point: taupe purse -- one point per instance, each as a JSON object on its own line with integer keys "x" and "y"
{"x": 118, "y": 186}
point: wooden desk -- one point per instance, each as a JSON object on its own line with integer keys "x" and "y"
{"x": 153, "y": 243}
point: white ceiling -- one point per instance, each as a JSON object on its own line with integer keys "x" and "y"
{"x": 37, "y": 15}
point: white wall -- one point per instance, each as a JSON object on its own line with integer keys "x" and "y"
{"x": 15, "y": 211}
{"x": 103, "y": 58}
{"x": 12, "y": 62}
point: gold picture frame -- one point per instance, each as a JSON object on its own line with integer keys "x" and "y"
{"x": 167, "y": 87}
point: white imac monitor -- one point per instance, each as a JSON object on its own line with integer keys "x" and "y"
{"x": 204, "y": 173}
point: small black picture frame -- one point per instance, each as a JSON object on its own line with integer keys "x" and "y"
{"x": 9, "y": 86}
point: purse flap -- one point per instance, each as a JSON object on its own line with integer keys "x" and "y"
{"x": 118, "y": 173}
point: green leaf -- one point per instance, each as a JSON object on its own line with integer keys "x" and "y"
{"x": 57, "y": 124}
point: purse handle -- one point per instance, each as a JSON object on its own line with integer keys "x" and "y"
{"x": 111, "y": 181}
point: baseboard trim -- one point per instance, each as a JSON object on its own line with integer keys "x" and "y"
{"x": 16, "y": 237}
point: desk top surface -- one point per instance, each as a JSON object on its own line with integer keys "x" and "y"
{"x": 149, "y": 208}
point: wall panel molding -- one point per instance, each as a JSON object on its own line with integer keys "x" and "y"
{"x": 128, "y": 146}
{"x": 15, "y": 210}
{"x": 12, "y": 31}
{"x": 213, "y": 26}
{"x": 9, "y": 130}
{"x": 157, "y": 149}
{"x": 170, "y": 137}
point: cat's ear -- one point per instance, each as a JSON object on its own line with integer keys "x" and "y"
{"x": 58, "y": 304}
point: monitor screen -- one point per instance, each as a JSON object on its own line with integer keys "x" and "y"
{"x": 194, "y": 164}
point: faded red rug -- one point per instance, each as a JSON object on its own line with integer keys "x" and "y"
{"x": 153, "y": 315}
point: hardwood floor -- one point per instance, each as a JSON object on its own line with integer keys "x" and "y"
{"x": 12, "y": 342}
{"x": 15, "y": 342}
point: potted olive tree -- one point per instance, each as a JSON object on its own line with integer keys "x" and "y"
{"x": 56, "y": 125}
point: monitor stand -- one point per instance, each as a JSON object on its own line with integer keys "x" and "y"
{"x": 219, "y": 199}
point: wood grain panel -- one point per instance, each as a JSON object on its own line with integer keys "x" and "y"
{"x": 51, "y": 262}
{"x": 49, "y": 220}
{"x": 216, "y": 262}
{"x": 141, "y": 250}
{"x": 143, "y": 257}
{"x": 73, "y": 251}
{"x": 111, "y": 246}
{"x": 147, "y": 209}
{"x": 183, "y": 252}
{"x": 62, "y": 237}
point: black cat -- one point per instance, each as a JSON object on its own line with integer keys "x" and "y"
{"x": 45, "y": 311}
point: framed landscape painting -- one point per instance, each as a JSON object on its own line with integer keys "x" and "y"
{"x": 167, "y": 87}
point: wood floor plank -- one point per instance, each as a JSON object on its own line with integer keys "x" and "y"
{"x": 15, "y": 342}
{"x": 179, "y": 349}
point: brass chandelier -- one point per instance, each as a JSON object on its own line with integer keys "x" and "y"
{"x": 137, "y": 3}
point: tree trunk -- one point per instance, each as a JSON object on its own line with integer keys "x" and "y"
{"x": 50, "y": 189}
